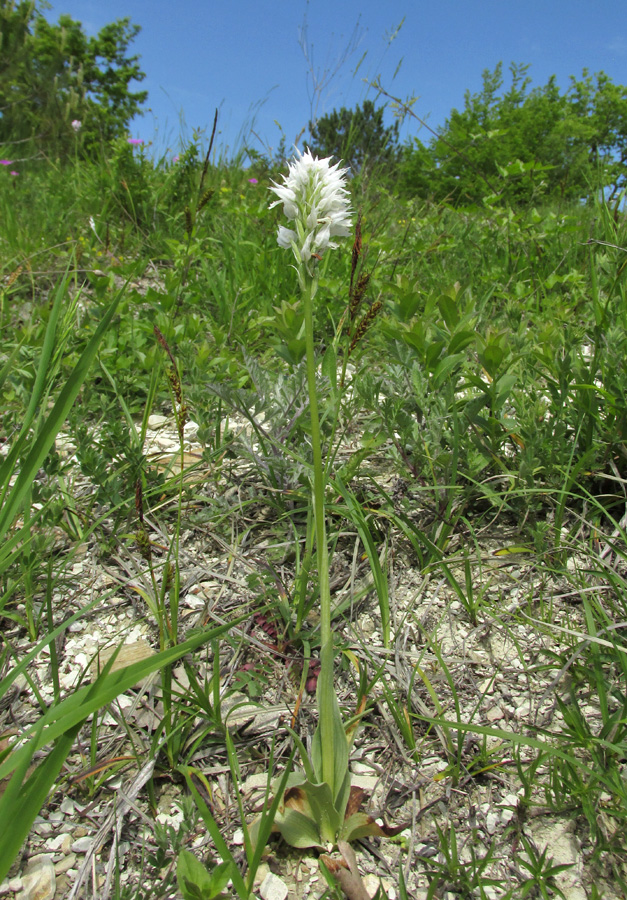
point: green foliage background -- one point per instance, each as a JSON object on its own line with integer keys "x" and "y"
{"x": 52, "y": 74}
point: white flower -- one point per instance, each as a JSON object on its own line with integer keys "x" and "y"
{"x": 285, "y": 237}
{"x": 315, "y": 200}
{"x": 76, "y": 124}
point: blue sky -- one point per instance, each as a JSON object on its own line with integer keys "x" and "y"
{"x": 244, "y": 56}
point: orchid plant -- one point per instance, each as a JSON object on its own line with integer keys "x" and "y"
{"x": 318, "y": 806}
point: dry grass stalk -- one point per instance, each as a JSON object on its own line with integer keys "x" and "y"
{"x": 180, "y": 408}
{"x": 365, "y": 324}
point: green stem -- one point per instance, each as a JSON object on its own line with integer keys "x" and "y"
{"x": 325, "y": 687}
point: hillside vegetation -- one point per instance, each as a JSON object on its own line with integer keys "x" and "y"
{"x": 156, "y": 470}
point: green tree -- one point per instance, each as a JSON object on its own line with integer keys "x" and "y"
{"x": 357, "y": 136}
{"x": 52, "y": 74}
{"x": 525, "y": 144}
{"x": 417, "y": 174}
{"x": 509, "y": 143}
{"x": 600, "y": 111}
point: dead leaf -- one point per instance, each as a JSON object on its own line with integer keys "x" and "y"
{"x": 129, "y": 653}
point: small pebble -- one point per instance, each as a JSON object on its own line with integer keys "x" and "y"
{"x": 66, "y": 863}
{"x": 67, "y": 806}
{"x": 273, "y": 888}
{"x": 82, "y": 845}
{"x": 371, "y": 884}
{"x": 55, "y": 843}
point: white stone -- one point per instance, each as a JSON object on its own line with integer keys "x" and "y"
{"x": 254, "y": 782}
{"x": 273, "y": 888}
{"x": 494, "y": 714}
{"x": 168, "y": 443}
{"x": 367, "y": 782}
{"x": 82, "y": 845}
{"x": 190, "y": 430}
{"x": 238, "y": 837}
{"x": 66, "y": 843}
{"x": 261, "y": 873}
{"x": 156, "y": 421}
{"x": 66, "y": 863}
{"x": 506, "y": 816}
{"x": 55, "y": 843}
{"x": 39, "y": 880}
{"x": 371, "y": 884}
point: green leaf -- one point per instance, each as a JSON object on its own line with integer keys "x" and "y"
{"x": 22, "y": 800}
{"x": 460, "y": 340}
{"x": 214, "y": 831}
{"x": 220, "y": 877}
{"x": 307, "y": 816}
{"x": 53, "y": 423}
{"x": 445, "y": 367}
{"x": 449, "y": 311}
{"x": 360, "y": 825}
{"x": 505, "y": 384}
{"x": 491, "y": 358}
{"x": 193, "y": 879}
{"x": 329, "y": 365}
{"x": 292, "y": 351}
{"x": 196, "y": 882}
{"x": 433, "y": 352}
{"x": 340, "y": 748}
{"x": 298, "y": 830}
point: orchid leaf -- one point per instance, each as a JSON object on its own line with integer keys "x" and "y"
{"x": 361, "y": 825}
{"x": 315, "y": 803}
{"x": 340, "y": 749}
{"x": 298, "y": 830}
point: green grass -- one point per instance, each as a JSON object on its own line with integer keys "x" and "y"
{"x": 483, "y": 411}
